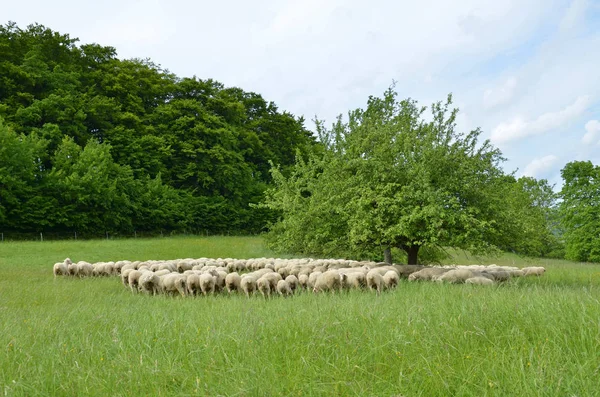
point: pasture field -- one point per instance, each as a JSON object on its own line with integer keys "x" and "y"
{"x": 76, "y": 337}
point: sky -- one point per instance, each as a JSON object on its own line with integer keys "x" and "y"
{"x": 527, "y": 72}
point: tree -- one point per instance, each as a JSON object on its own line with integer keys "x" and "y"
{"x": 580, "y": 211}
{"x": 392, "y": 179}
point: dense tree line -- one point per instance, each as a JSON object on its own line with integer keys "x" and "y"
{"x": 393, "y": 179}
{"x": 94, "y": 143}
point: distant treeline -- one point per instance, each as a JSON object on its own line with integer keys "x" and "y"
{"x": 95, "y": 144}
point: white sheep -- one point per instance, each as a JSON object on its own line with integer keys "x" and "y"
{"x": 207, "y": 283}
{"x": 192, "y": 284}
{"x": 248, "y": 285}
{"x": 454, "y": 276}
{"x": 174, "y": 283}
{"x": 292, "y": 281}
{"x": 149, "y": 282}
{"x": 331, "y": 280}
{"x": 264, "y": 286}
{"x": 391, "y": 279}
{"x": 232, "y": 282}
{"x": 533, "y": 271}
{"x": 375, "y": 281}
{"x": 427, "y": 273}
{"x": 356, "y": 280}
{"x": 60, "y": 269}
{"x": 133, "y": 279}
{"x": 283, "y": 288}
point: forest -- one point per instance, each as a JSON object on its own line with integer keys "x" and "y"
{"x": 94, "y": 144}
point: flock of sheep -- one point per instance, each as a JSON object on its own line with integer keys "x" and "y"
{"x": 267, "y": 276}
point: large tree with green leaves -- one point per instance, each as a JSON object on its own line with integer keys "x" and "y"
{"x": 391, "y": 177}
{"x": 580, "y": 211}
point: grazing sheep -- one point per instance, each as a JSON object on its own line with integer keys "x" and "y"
{"x": 427, "y": 273}
{"x": 60, "y": 269}
{"x": 273, "y": 278}
{"x": 133, "y": 279}
{"x": 207, "y": 283}
{"x": 73, "y": 269}
{"x": 391, "y": 279}
{"x": 174, "y": 283}
{"x": 331, "y": 280}
{"x": 303, "y": 280}
{"x": 292, "y": 281}
{"x": 312, "y": 278}
{"x": 85, "y": 269}
{"x": 193, "y": 284}
{"x": 125, "y": 276}
{"x": 533, "y": 271}
{"x": 497, "y": 275}
{"x": 248, "y": 285}
{"x": 455, "y": 276}
{"x": 150, "y": 283}
{"x": 375, "y": 281}
{"x": 264, "y": 286}
{"x": 479, "y": 280}
{"x": 356, "y": 280}
{"x": 283, "y": 287}
{"x": 404, "y": 271}
{"x": 232, "y": 282}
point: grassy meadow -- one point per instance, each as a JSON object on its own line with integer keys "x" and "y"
{"x": 75, "y": 337}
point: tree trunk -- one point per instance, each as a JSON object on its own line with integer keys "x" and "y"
{"x": 412, "y": 251}
{"x": 387, "y": 255}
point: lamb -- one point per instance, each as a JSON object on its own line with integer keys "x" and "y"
{"x": 479, "y": 280}
{"x": 149, "y": 282}
{"x": 248, "y": 285}
{"x": 207, "y": 283}
{"x": 427, "y": 273}
{"x": 375, "y": 280}
{"x": 331, "y": 280}
{"x": 391, "y": 279}
{"x": 292, "y": 281}
{"x": 174, "y": 283}
{"x": 533, "y": 271}
{"x": 232, "y": 282}
{"x": 283, "y": 287}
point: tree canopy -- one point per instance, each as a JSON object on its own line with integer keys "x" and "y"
{"x": 580, "y": 211}
{"x": 96, "y": 143}
{"x": 393, "y": 177}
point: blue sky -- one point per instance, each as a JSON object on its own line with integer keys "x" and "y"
{"x": 527, "y": 72}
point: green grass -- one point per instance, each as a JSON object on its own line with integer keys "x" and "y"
{"x": 531, "y": 337}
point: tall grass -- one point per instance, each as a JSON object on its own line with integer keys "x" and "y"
{"x": 93, "y": 337}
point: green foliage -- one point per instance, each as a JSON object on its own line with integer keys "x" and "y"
{"x": 580, "y": 211}
{"x": 134, "y": 129}
{"x": 391, "y": 178}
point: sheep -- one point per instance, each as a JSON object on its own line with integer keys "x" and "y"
{"x": 292, "y": 281}
{"x": 312, "y": 278}
{"x": 125, "y": 276}
{"x": 133, "y": 279}
{"x": 174, "y": 283}
{"x": 207, "y": 283}
{"x": 73, "y": 269}
{"x": 479, "y": 280}
{"x": 85, "y": 269}
{"x": 331, "y": 280}
{"x": 356, "y": 280}
{"x": 375, "y": 280}
{"x": 455, "y": 276}
{"x": 162, "y": 272}
{"x": 193, "y": 284}
{"x": 248, "y": 285}
{"x": 60, "y": 269}
{"x": 404, "y": 271}
{"x": 183, "y": 266}
{"x": 533, "y": 271}
{"x": 303, "y": 280}
{"x": 264, "y": 286}
{"x": 427, "y": 273}
{"x": 232, "y": 282}
{"x": 273, "y": 278}
{"x": 391, "y": 279}
{"x": 220, "y": 276}
{"x": 497, "y": 275}
{"x": 149, "y": 282}
{"x": 283, "y": 287}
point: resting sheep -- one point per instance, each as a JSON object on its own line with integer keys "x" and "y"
{"x": 479, "y": 280}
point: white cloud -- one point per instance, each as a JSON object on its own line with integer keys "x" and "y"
{"x": 539, "y": 165}
{"x": 593, "y": 131}
{"x": 520, "y": 128}
{"x": 500, "y": 96}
